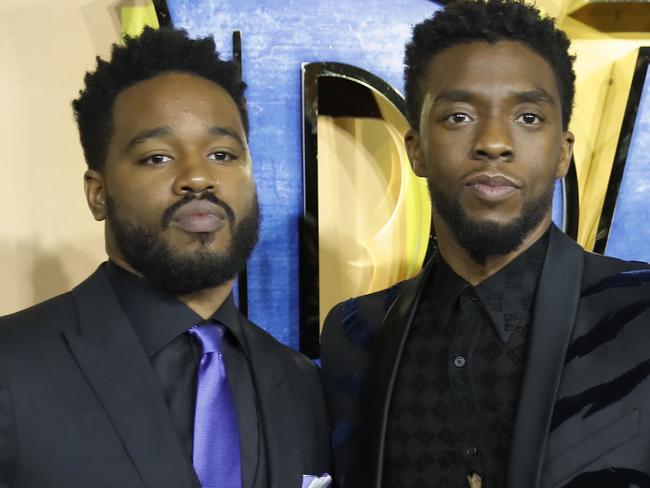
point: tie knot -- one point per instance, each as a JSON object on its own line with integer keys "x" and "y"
{"x": 209, "y": 337}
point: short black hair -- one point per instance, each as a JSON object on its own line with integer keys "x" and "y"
{"x": 488, "y": 21}
{"x": 153, "y": 53}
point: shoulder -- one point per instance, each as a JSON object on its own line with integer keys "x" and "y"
{"x": 264, "y": 347}
{"x": 41, "y": 320}
{"x": 49, "y": 318}
{"x": 613, "y": 264}
{"x": 603, "y": 274}
{"x": 348, "y": 338}
{"x": 31, "y": 338}
{"x": 615, "y": 298}
{"x": 357, "y": 319}
{"x": 382, "y": 299}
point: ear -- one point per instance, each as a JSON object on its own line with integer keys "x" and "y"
{"x": 95, "y": 193}
{"x": 566, "y": 152}
{"x": 412, "y": 141}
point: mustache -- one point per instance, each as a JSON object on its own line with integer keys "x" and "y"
{"x": 168, "y": 214}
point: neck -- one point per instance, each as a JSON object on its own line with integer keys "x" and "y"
{"x": 464, "y": 265}
{"x": 203, "y": 302}
{"x": 206, "y": 302}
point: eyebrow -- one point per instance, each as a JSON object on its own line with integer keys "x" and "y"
{"x": 147, "y": 134}
{"x": 538, "y": 95}
{"x": 535, "y": 96}
{"x": 158, "y": 132}
{"x": 453, "y": 96}
{"x": 225, "y": 131}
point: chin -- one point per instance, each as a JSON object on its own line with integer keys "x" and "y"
{"x": 209, "y": 241}
{"x": 494, "y": 221}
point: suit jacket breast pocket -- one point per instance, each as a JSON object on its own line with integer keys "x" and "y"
{"x": 563, "y": 464}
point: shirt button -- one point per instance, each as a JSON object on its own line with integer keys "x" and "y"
{"x": 471, "y": 451}
{"x": 459, "y": 361}
{"x": 473, "y": 298}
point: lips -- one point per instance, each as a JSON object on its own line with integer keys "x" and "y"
{"x": 492, "y": 187}
{"x": 199, "y": 216}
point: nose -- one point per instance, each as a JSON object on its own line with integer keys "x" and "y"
{"x": 493, "y": 140}
{"x": 195, "y": 175}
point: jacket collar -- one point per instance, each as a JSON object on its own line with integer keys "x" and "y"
{"x": 552, "y": 325}
{"x": 117, "y": 368}
{"x": 555, "y": 310}
{"x": 292, "y": 444}
{"x": 382, "y": 370}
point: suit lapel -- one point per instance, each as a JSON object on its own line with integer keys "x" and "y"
{"x": 113, "y": 361}
{"x": 382, "y": 370}
{"x": 556, "y": 305}
{"x": 279, "y": 434}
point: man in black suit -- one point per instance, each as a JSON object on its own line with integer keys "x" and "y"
{"x": 514, "y": 358}
{"x": 98, "y": 387}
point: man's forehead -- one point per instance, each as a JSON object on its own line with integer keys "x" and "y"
{"x": 173, "y": 98}
{"x": 170, "y": 86}
{"x": 479, "y": 64}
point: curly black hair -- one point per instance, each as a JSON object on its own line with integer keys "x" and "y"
{"x": 489, "y": 21}
{"x": 153, "y": 53}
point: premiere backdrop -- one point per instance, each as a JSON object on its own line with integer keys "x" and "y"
{"x": 348, "y": 114}
{"x": 278, "y": 37}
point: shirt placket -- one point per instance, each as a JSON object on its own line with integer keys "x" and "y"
{"x": 467, "y": 328}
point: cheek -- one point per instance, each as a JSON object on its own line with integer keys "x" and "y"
{"x": 541, "y": 162}
{"x": 541, "y": 178}
{"x": 237, "y": 186}
{"x": 135, "y": 188}
{"x": 447, "y": 151}
{"x": 446, "y": 171}
{"x": 139, "y": 204}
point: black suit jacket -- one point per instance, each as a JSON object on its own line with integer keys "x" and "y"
{"x": 583, "y": 417}
{"x": 80, "y": 404}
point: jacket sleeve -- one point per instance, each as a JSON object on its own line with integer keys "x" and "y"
{"x": 7, "y": 436}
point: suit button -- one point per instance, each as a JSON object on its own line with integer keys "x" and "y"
{"x": 459, "y": 361}
{"x": 471, "y": 451}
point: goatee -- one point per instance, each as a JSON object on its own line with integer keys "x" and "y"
{"x": 485, "y": 239}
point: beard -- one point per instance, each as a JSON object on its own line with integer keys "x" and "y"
{"x": 147, "y": 251}
{"x": 484, "y": 239}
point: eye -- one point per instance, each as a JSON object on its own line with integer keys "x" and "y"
{"x": 156, "y": 159}
{"x": 222, "y": 156}
{"x": 458, "y": 118}
{"x": 529, "y": 119}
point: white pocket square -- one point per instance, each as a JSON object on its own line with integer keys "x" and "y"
{"x": 310, "y": 481}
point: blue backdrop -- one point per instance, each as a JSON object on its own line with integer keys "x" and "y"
{"x": 277, "y": 37}
{"x": 629, "y": 236}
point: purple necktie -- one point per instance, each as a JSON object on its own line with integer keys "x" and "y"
{"x": 216, "y": 455}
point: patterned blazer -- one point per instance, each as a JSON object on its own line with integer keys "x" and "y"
{"x": 583, "y": 417}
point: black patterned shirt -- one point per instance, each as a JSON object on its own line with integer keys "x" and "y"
{"x": 457, "y": 386}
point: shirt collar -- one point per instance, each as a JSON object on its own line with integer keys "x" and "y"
{"x": 508, "y": 295}
{"x": 445, "y": 288}
{"x": 158, "y": 318}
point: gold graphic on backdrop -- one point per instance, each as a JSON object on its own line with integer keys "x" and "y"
{"x": 374, "y": 213}
{"x": 605, "y": 61}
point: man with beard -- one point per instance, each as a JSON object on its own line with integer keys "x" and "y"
{"x": 146, "y": 374}
{"x": 514, "y": 358}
